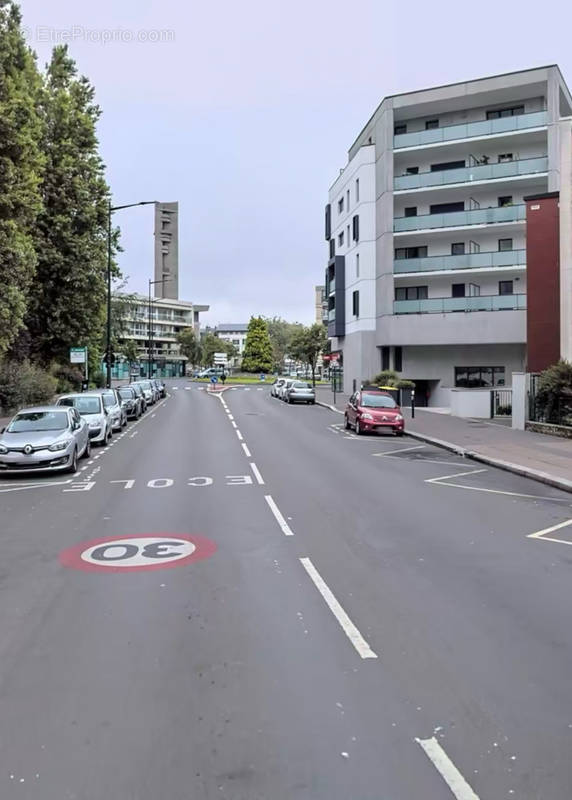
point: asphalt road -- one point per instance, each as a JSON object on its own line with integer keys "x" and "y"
{"x": 362, "y": 618}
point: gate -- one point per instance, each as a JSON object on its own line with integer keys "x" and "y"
{"x": 501, "y": 403}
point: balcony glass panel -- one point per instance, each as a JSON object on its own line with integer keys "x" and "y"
{"x": 485, "y": 127}
{"x": 483, "y": 172}
{"x": 479, "y": 216}
{"x": 331, "y": 314}
{"x": 446, "y": 305}
{"x": 503, "y": 258}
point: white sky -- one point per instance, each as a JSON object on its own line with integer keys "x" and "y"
{"x": 246, "y": 115}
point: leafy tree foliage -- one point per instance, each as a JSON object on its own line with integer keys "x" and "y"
{"x": 21, "y": 166}
{"x": 307, "y": 344}
{"x": 189, "y": 345}
{"x": 554, "y": 393}
{"x": 281, "y": 333}
{"x": 257, "y": 355}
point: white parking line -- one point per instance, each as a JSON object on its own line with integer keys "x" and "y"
{"x": 285, "y": 528}
{"x": 455, "y": 475}
{"x": 542, "y": 534}
{"x": 448, "y": 771}
{"x": 257, "y": 474}
{"x": 400, "y": 450}
{"x": 246, "y": 450}
{"x": 355, "y": 637}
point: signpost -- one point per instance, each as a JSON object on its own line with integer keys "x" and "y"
{"x": 78, "y": 355}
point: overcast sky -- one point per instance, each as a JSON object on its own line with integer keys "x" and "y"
{"x": 245, "y": 112}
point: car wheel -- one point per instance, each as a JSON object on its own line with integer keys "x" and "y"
{"x": 87, "y": 451}
{"x": 359, "y": 430}
{"x": 398, "y": 433}
{"x": 108, "y": 436}
{"x": 73, "y": 466}
{"x": 290, "y": 401}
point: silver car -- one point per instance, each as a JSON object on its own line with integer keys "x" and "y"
{"x": 300, "y": 392}
{"x": 130, "y": 401}
{"x": 44, "y": 438}
{"x": 276, "y": 386}
{"x": 91, "y": 408}
{"x": 114, "y": 407}
{"x": 281, "y": 392}
{"x": 148, "y": 391}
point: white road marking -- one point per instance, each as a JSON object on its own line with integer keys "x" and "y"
{"x": 234, "y": 425}
{"x": 448, "y": 771}
{"x": 400, "y": 450}
{"x": 134, "y": 434}
{"x": 240, "y": 436}
{"x": 247, "y": 390}
{"x": 285, "y": 528}
{"x": 455, "y": 475}
{"x": 260, "y": 390}
{"x": 238, "y": 480}
{"x": 246, "y": 450}
{"x": 129, "y": 483}
{"x": 230, "y": 416}
{"x": 256, "y": 472}
{"x": 152, "y": 415}
{"x": 355, "y": 637}
{"x": 187, "y": 388}
{"x": 542, "y": 534}
{"x": 175, "y": 388}
{"x": 20, "y": 487}
{"x": 83, "y": 486}
{"x": 443, "y": 482}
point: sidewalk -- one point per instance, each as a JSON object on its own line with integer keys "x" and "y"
{"x": 544, "y": 458}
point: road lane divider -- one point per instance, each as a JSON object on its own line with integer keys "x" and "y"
{"x": 284, "y": 527}
{"x": 448, "y": 771}
{"x": 257, "y": 475}
{"x": 247, "y": 452}
{"x": 362, "y": 647}
{"x": 240, "y": 436}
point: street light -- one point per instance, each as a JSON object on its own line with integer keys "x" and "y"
{"x": 110, "y": 210}
{"x": 150, "y": 336}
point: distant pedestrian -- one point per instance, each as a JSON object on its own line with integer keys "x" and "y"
{"x": 223, "y": 377}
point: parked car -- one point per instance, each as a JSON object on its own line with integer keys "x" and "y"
{"x": 44, "y": 438}
{"x": 91, "y": 408}
{"x": 278, "y": 383}
{"x": 300, "y": 392}
{"x": 284, "y": 388}
{"x": 140, "y": 394}
{"x": 373, "y": 411}
{"x": 160, "y": 386}
{"x": 208, "y": 373}
{"x": 148, "y": 391}
{"x": 113, "y": 406}
{"x": 130, "y": 401}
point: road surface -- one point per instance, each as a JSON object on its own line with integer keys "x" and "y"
{"x": 296, "y": 613}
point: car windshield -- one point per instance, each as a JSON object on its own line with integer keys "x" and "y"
{"x": 146, "y": 384}
{"x": 39, "y": 421}
{"x": 109, "y": 400}
{"x": 84, "y": 404}
{"x": 377, "y": 401}
{"x": 126, "y": 394}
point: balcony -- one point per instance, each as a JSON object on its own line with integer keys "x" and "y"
{"x": 502, "y": 258}
{"x": 446, "y": 305}
{"x": 483, "y": 172}
{"x": 471, "y": 130}
{"x": 331, "y": 314}
{"x": 459, "y": 219}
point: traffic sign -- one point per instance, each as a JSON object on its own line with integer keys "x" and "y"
{"x": 78, "y": 355}
{"x": 140, "y": 552}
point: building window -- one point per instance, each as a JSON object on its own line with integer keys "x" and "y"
{"x": 411, "y": 293}
{"x": 478, "y": 377}
{"x": 447, "y": 165}
{"x": 505, "y": 200}
{"x": 341, "y": 239}
{"x": 513, "y": 111}
{"x": 505, "y": 287}
{"x": 348, "y": 236}
{"x": 505, "y": 244}
{"x": 332, "y": 248}
{"x": 385, "y": 357}
{"x": 399, "y": 128}
{"x": 458, "y": 249}
{"x": 457, "y": 290}
{"x": 355, "y": 303}
{"x": 348, "y": 200}
{"x": 505, "y": 157}
{"x": 446, "y": 208}
{"x": 431, "y": 124}
{"x": 357, "y": 190}
{"x": 340, "y": 205}
{"x": 355, "y": 226}
{"x": 411, "y": 211}
{"x": 410, "y": 252}
{"x": 398, "y": 359}
{"x": 412, "y": 171}
{"x": 357, "y": 265}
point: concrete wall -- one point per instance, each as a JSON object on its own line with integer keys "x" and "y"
{"x": 438, "y": 363}
{"x": 471, "y": 403}
{"x": 476, "y": 327}
{"x": 362, "y": 359}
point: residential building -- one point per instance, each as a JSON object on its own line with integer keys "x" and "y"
{"x": 427, "y": 233}
{"x": 163, "y": 319}
{"x": 321, "y": 305}
{"x": 235, "y": 333}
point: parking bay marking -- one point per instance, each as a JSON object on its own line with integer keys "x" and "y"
{"x": 444, "y": 481}
{"x": 448, "y": 771}
{"x": 543, "y": 533}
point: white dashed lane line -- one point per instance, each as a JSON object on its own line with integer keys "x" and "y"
{"x": 246, "y": 451}
{"x": 448, "y": 771}
{"x": 256, "y": 473}
{"x": 284, "y": 527}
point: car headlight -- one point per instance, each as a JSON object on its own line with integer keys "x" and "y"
{"x": 366, "y": 416}
{"x": 398, "y": 418}
{"x": 3, "y": 449}
{"x": 59, "y": 445}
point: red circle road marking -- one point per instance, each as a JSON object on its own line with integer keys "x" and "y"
{"x": 75, "y": 557}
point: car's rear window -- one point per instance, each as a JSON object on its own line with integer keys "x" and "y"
{"x": 300, "y": 385}
{"x": 83, "y": 403}
{"x": 377, "y": 401}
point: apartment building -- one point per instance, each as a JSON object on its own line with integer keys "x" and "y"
{"x": 235, "y": 333}
{"x": 320, "y": 305}
{"x": 154, "y": 327}
{"x": 427, "y": 231}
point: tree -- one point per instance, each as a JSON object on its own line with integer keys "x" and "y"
{"x": 281, "y": 333}
{"x": 257, "y": 355}
{"x": 307, "y": 344}
{"x": 128, "y": 348}
{"x": 210, "y": 344}
{"x": 21, "y": 166}
{"x": 554, "y": 392}
{"x": 190, "y": 346}
{"x": 68, "y": 301}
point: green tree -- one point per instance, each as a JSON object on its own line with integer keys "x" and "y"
{"x": 281, "y": 333}
{"x": 128, "y": 348}
{"x": 257, "y": 355}
{"x": 554, "y": 392}
{"x": 189, "y": 345}
{"x": 21, "y": 166}
{"x": 68, "y": 301}
{"x": 210, "y": 344}
{"x": 307, "y": 344}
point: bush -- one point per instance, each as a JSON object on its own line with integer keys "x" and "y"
{"x": 98, "y": 379}
{"x": 554, "y": 392}
{"x": 69, "y": 378}
{"x": 390, "y": 378}
{"x": 24, "y": 384}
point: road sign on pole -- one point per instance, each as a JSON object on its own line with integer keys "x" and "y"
{"x": 78, "y": 355}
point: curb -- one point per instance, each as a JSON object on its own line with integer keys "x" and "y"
{"x": 326, "y": 405}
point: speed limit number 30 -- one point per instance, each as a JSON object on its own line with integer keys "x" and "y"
{"x": 137, "y": 553}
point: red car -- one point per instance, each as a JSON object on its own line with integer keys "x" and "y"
{"x": 369, "y": 410}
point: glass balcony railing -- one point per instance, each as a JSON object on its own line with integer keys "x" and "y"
{"x": 469, "y": 130}
{"x": 446, "y": 305}
{"x": 483, "y": 172}
{"x": 331, "y": 314}
{"x": 501, "y": 258}
{"x": 478, "y": 216}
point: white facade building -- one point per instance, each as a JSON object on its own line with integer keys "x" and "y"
{"x": 431, "y": 278}
{"x": 235, "y": 333}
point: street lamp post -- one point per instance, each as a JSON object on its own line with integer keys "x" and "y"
{"x": 110, "y": 210}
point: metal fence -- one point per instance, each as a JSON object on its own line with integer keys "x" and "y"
{"x": 501, "y": 403}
